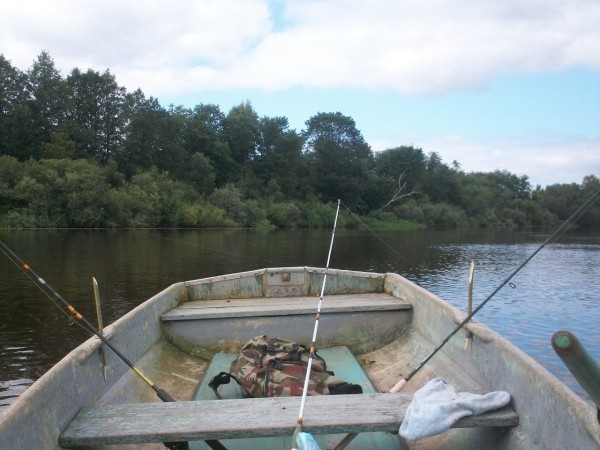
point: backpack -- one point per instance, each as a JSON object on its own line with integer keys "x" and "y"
{"x": 274, "y": 367}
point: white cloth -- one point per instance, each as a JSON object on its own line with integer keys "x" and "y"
{"x": 437, "y": 406}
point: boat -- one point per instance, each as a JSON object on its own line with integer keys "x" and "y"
{"x": 374, "y": 329}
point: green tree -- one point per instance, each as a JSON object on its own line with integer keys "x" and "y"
{"x": 60, "y": 146}
{"x": 154, "y": 139}
{"x": 401, "y": 173}
{"x": 200, "y": 173}
{"x": 97, "y": 114}
{"x": 441, "y": 181}
{"x": 561, "y": 199}
{"x": 589, "y": 186}
{"x": 242, "y": 133}
{"x": 15, "y": 114}
{"x": 564, "y": 199}
{"x": 48, "y": 102}
{"x": 279, "y": 161}
{"x": 407, "y": 160}
{"x": 204, "y": 133}
{"x": 477, "y": 197}
{"x": 339, "y": 158}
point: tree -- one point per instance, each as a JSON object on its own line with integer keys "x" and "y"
{"x": 589, "y": 187}
{"x": 510, "y": 185}
{"x": 339, "y": 158}
{"x": 154, "y": 139}
{"x": 402, "y": 191}
{"x": 97, "y": 114}
{"x": 441, "y": 182}
{"x": 204, "y": 133}
{"x": 401, "y": 173}
{"x": 242, "y": 134}
{"x": 564, "y": 199}
{"x": 279, "y": 161}
{"x": 15, "y": 114}
{"x": 477, "y": 196}
{"x": 48, "y": 102}
{"x": 200, "y": 173}
{"x": 407, "y": 160}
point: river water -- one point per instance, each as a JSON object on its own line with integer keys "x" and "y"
{"x": 558, "y": 289}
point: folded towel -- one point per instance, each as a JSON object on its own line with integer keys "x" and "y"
{"x": 437, "y": 406}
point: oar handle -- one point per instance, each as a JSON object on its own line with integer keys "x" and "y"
{"x": 579, "y": 362}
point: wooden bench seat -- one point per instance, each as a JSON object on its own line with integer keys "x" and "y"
{"x": 282, "y": 306}
{"x": 204, "y": 420}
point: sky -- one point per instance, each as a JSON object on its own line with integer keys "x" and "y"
{"x": 491, "y": 84}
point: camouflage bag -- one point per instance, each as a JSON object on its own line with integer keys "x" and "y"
{"x": 273, "y": 367}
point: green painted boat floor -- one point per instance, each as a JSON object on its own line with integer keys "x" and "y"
{"x": 341, "y": 361}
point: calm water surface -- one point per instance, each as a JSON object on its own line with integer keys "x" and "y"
{"x": 558, "y": 289}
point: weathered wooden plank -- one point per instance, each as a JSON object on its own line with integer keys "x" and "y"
{"x": 205, "y": 309}
{"x": 221, "y": 419}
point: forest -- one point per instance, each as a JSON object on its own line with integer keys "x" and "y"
{"x": 82, "y": 151}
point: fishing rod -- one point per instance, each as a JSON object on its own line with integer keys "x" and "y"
{"x": 572, "y": 219}
{"x": 47, "y": 288}
{"x": 314, "y": 336}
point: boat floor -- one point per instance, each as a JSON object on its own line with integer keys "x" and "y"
{"x": 179, "y": 373}
{"x": 341, "y": 361}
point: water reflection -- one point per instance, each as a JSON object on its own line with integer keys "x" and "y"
{"x": 558, "y": 289}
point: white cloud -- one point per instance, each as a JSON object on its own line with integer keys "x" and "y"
{"x": 143, "y": 36}
{"x": 415, "y": 47}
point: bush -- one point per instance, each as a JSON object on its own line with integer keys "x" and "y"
{"x": 229, "y": 199}
{"x": 20, "y": 219}
{"x": 257, "y": 213}
{"x": 317, "y": 215}
{"x": 443, "y": 215}
{"x": 202, "y": 215}
{"x": 284, "y": 215}
{"x": 410, "y": 211}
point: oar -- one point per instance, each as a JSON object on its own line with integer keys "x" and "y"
{"x": 46, "y": 288}
{"x": 589, "y": 202}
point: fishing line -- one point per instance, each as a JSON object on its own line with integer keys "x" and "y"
{"x": 73, "y": 313}
{"x": 47, "y": 289}
{"x": 61, "y": 309}
{"x": 378, "y": 237}
{"x": 203, "y": 247}
{"x": 557, "y": 233}
{"x": 314, "y": 337}
{"x": 104, "y": 224}
{"x": 66, "y": 212}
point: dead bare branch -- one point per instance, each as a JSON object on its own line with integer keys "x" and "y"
{"x": 401, "y": 192}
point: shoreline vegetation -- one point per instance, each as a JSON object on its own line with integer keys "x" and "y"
{"x": 82, "y": 152}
